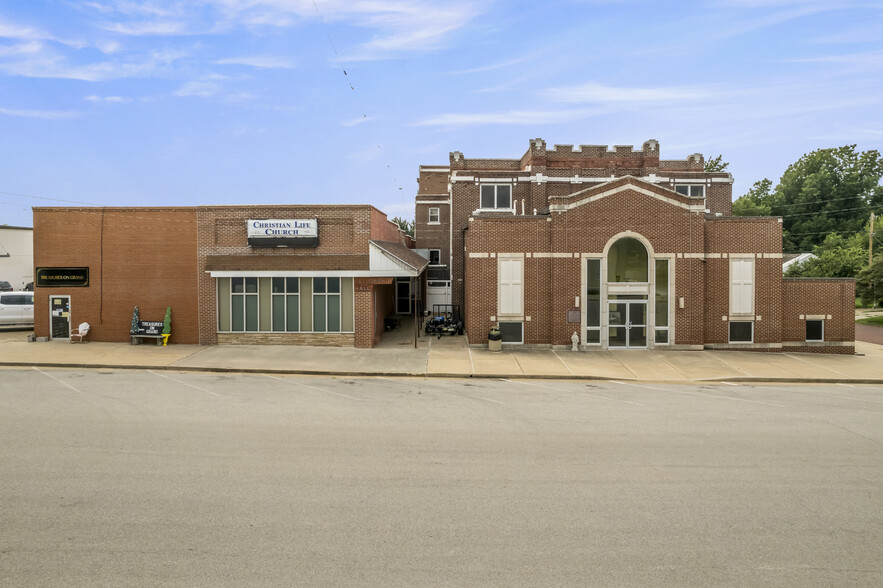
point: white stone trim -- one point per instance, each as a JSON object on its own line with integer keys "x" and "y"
{"x": 818, "y": 343}
{"x": 628, "y": 186}
{"x": 477, "y": 255}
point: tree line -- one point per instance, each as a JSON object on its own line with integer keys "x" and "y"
{"x": 826, "y": 199}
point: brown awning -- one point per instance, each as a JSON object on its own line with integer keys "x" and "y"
{"x": 233, "y": 263}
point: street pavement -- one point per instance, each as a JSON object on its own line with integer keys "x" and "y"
{"x": 451, "y": 357}
{"x": 142, "y": 477}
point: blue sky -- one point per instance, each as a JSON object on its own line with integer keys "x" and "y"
{"x": 184, "y": 102}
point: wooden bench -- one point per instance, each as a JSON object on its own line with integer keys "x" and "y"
{"x": 137, "y": 339}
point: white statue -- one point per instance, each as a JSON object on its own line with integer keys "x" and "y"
{"x": 575, "y": 340}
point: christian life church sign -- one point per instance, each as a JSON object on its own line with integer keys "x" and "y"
{"x": 283, "y": 232}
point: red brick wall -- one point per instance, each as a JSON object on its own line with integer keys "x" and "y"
{"x": 373, "y": 303}
{"x": 383, "y": 229}
{"x": 551, "y": 284}
{"x": 819, "y": 296}
{"x": 343, "y": 230}
{"x": 762, "y": 237}
{"x": 141, "y": 256}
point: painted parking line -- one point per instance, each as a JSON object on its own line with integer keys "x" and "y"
{"x": 317, "y": 389}
{"x": 62, "y": 382}
{"x": 562, "y": 362}
{"x": 485, "y": 399}
{"x": 730, "y": 398}
{"x": 583, "y": 392}
{"x": 184, "y": 383}
{"x": 729, "y": 383}
{"x": 639, "y": 385}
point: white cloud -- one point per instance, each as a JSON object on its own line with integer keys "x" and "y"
{"x": 258, "y": 61}
{"x": 203, "y": 88}
{"x": 598, "y": 93}
{"x": 43, "y": 114}
{"x": 491, "y": 67}
{"x": 47, "y": 62}
{"x": 511, "y": 117}
{"x": 107, "y": 99}
{"x": 357, "y": 121}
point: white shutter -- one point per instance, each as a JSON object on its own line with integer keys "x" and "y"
{"x": 741, "y": 286}
{"x": 511, "y": 287}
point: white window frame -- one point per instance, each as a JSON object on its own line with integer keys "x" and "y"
{"x": 585, "y": 319}
{"x": 510, "y": 287}
{"x": 325, "y": 295}
{"x": 689, "y": 186}
{"x": 437, "y": 215}
{"x": 823, "y": 330}
{"x": 244, "y": 294}
{"x": 740, "y": 342}
{"x": 284, "y": 295}
{"x": 742, "y": 286}
{"x": 439, "y": 264}
{"x": 496, "y": 205}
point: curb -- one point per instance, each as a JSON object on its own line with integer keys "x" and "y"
{"x": 225, "y": 370}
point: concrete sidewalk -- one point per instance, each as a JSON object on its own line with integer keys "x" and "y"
{"x": 449, "y": 357}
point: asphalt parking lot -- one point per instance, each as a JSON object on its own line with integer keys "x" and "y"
{"x": 150, "y": 478}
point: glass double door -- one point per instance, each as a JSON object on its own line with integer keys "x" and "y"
{"x": 627, "y": 324}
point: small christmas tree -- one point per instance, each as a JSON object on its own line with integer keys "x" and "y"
{"x": 167, "y": 322}
{"x": 133, "y": 329}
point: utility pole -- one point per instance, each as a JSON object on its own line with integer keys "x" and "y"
{"x": 871, "y": 241}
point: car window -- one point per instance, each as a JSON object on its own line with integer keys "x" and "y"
{"x": 16, "y": 299}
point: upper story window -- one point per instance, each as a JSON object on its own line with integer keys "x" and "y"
{"x": 434, "y": 215}
{"x": 496, "y": 196}
{"x": 435, "y": 257}
{"x": 691, "y": 190}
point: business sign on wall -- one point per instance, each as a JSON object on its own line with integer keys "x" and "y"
{"x": 283, "y": 232}
{"x": 68, "y": 277}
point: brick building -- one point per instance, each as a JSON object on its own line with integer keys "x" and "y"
{"x": 316, "y": 275}
{"x": 623, "y": 248}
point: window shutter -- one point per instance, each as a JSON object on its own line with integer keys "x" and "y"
{"x": 742, "y": 286}
{"x": 511, "y": 286}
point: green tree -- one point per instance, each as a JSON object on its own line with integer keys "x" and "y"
{"x": 756, "y": 202}
{"x": 869, "y": 284}
{"x": 407, "y": 226}
{"x": 836, "y": 257}
{"x": 716, "y": 164}
{"x": 827, "y": 191}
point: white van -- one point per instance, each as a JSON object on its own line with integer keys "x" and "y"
{"x": 17, "y": 308}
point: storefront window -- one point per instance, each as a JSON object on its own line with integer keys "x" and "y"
{"x": 286, "y": 304}
{"x": 627, "y": 261}
{"x": 244, "y": 304}
{"x": 326, "y": 305}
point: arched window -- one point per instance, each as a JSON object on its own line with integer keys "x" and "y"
{"x": 627, "y": 261}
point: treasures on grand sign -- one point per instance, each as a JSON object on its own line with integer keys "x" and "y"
{"x": 283, "y": 232}
{"x": 70, "y": 277}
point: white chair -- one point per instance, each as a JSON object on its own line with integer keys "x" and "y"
{"x": 80, "y": 332}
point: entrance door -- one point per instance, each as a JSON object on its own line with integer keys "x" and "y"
{"x": 627, "y": 322}
{"x": 60, "y": 317}
{"x": 403, "y": 296}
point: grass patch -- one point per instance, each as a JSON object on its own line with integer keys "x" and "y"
{"x": 877, "y": 321}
